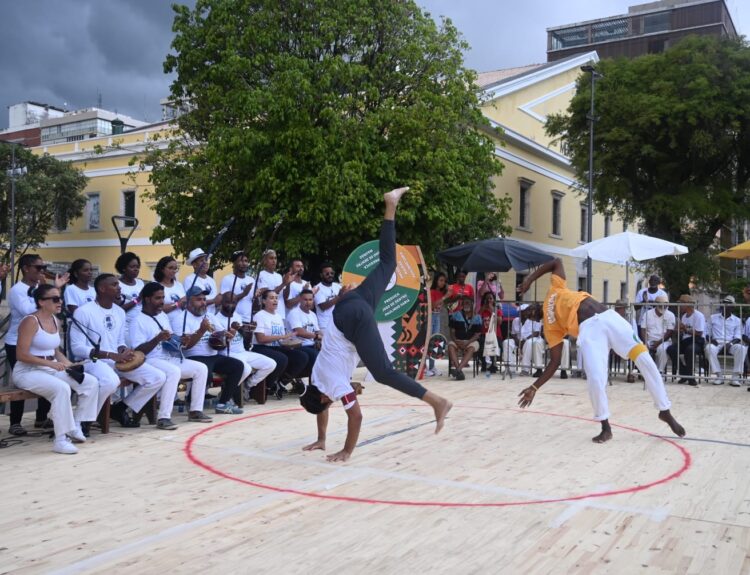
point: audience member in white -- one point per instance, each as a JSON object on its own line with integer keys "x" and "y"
{"x": 165, "y": 273}
{"x": 79, "y": 289}
{"x": 292, "y": 290}
{"x": 41, "y": 366}
{"x": 725, "y": 335}
{"x": 657, "y": 327}
{"x": 146, "y": 334}
{"x": 648, "y": 295}
{"x": 199, "y": 325}
{"x": 240, "y": 284}
{"x": 199, "y": 260}
{"x": 327, "y": 296}
{"x": 105, "y": 324}
{"x": 691, "y": 329}
{"x": 304, "y": 324}
{"x": 269, "y": 278}
{"x": 532, "y": 346}
{"x": 128, "y": 265}
{"x": 510, "y": 343}
{"x": 256, "y": 364}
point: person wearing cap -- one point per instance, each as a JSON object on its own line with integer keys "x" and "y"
{"x": 531, "y": 343}
{"x": 725, "y": 336}
{"x": 599, "y": 330}
{"x": 691, "y": 328}
{"x": 648, "y": 295}
{"x": 199, "y": 260}
{"x": 465, "y": 329}
{"x": 657, "y": 327}
{"x": 240, "y": 285}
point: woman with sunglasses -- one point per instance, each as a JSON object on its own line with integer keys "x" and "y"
{"x": 21, "y": 304}
{"x": 79, "y": 289}
{"x": 41, "y": 369}
{"x": 165, "y": 273}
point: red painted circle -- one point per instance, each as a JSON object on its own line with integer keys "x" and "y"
{"x": 188, "y": 449}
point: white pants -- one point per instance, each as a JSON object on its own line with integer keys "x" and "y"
{"x": 254, "y": 361}
{"x": 149, "y": 380}
{"x": 662, "y": 356}
{"x": 55, "y": 387}
{"x": 737, "y": 350}
{"x": 599, "y": 334}
{"x": 509, "y": 353}
{"x": 565, "y": 360}
{"x": 175, "y": 370}
{"x": 533, "y": 353}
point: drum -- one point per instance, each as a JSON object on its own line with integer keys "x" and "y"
{"x": 218, "y": 340}
{"x": 436, "y": 346}
{"x": 137, "y": 361}
{"x": 292, "y": 343}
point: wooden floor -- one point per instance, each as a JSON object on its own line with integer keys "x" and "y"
{"x": 499, "y": 491}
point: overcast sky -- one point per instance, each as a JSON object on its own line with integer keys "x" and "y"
{"x": 68, "y": 52}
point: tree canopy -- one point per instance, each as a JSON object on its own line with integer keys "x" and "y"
{"x": 49, "y": 195}
{"x": 672, "y": 145}
{"x": 305, "y": 112}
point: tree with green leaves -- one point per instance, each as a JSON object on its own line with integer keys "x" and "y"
{"x": 49, "y": 195}
{"x": 304, "y": 111}
{"x": 672, "y": 146}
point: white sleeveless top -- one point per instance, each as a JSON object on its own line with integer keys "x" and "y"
{"x": 44, "y": 344}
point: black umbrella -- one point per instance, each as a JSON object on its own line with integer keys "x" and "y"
{"x": 494, "y": 255}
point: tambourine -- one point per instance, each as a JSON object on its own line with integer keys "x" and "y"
{"x": 218, "y": 340}
{"x": 135, "y": 362}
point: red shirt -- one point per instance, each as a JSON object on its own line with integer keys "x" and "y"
{"x": 436, "y": 298}
{"x": 459, "y": 290}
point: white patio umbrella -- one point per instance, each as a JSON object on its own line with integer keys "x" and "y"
{"x": 625, "y": 247}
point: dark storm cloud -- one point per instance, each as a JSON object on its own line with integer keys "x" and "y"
{"x": 64, "y": 52}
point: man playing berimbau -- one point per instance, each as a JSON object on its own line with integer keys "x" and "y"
{"x": 599, "y": 330}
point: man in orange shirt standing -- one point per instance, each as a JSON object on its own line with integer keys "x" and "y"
{"x": 598, "y": 329}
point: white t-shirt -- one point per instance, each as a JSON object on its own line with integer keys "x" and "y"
{"x": 268, "y": 324}
{"x": 307, "y": 321}
{"x": 294, "y": 290}
{"x": 696, "y": 322}
{"x": 206, "y": 283}
{"x": 333, "y": 369}
{"x": 272, "y": 281}
{"x": 109, "y": 324}
{"x": 529, "y": 327}
{"x": 73, "y": 295}
{"x": 144, "y": 328}
{"x": 21, "y": 304}
{"x": 244, "y": 306}
{"x": 192, "y": 325}
{"x": 656, "y": 326}
{"x": 129, "y": 293}
{"x": 515, "y": 327}
{"x": 172, "y": 295}
{"x": 325, "y": 293}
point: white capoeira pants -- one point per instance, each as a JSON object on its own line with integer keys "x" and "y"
{"x": 149, "y": 379}
{"x": 565, "y": 359}
{"x": 533, "y": 353}
{"x": 254, "y": 361}
{"x": 175, "y": 370}
{"x": 737, "y": 350}
{"x": 509, "y": 353}
{"x": 55, "y": 386}
{"x": 662, "y": 356}
{"x": 605, "y": 331}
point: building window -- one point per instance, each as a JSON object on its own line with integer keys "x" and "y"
{"x": 557, "y": 213}
{"x": 623, "y": 290}
{"x": 581, "y": 283}
{"x": 524, "y": 204}
{"x": 656, "y": 22}
{"x": 656, "y": 46}
{"x": 610, "y": 29}
{"x": 605, "y": 291}
{"x": 128, "y": 206}
{"x": 92, "y": 212}
{"x": 607, "y": 226}
{"x": 584, "y": 236}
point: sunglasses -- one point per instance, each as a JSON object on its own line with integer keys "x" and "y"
{"x": 54, "y": 298}
{"x": 39, "y": 267}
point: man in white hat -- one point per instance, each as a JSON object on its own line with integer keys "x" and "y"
{"x": 199, "y": 260}
{"x": 657, "y": 327}
{"x": 725, "y": 336}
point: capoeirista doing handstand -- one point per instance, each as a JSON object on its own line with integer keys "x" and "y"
{"x": 599, "y": 330}
{"x": 354, "y": 332}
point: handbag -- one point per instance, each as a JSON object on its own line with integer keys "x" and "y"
{"x": 75, "y": 371}
{"x": 491, "y": 347}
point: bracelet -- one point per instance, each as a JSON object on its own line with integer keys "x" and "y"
{"x": 534, "y": 387}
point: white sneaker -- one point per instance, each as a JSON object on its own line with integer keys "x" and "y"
{"x": 735, "y": 381}
{"x": 77, "y": 435}
{"x": 717, "y": 380}
{"x": 437, "y": 373}
{"x": 63, "y": 445}
{"x": 429, "y": 373}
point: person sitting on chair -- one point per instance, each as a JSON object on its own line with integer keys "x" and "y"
{"x": 466, "y": 329}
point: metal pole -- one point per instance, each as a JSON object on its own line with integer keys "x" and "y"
{"x": 590, "y": 208}
{"x": 12, "y": 212}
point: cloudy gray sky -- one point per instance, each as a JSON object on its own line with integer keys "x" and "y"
{"x": 67, "y": 52}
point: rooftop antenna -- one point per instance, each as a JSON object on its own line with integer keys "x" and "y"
{"x": 98, "y": 99}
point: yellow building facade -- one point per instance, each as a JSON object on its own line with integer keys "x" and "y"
{"x": 546, "y": 209}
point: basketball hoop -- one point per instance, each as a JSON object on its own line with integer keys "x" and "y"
{"x": 125, "y": 222}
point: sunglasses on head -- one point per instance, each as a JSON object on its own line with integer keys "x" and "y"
{"x": 54, "y": 298}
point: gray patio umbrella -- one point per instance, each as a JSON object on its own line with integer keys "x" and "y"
{"x": 494, "y": 255}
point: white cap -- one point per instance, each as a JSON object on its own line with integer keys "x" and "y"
{"x": 523, "y": 306}
{"x": 194, "y": 255}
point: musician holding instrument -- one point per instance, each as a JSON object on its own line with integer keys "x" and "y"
{"x": 201, "y": 336}
{"x": 43, "y": 369}
{"x": 239, "y": 284}
{"x": 149, "y": 333}
{"x": 199, "y": 260}
{"x": 98, "y": 333}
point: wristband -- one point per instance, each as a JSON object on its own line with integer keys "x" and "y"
{"x": 534, "y": 387}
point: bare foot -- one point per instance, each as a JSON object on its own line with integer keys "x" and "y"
{"x": 394, "y": 196}
{"x": 605, "y": 435}
{"x": 339, "y": 456}
{"x": 317, "y": 445}
{"x": 676, "y": 428}
{"x": 441, "y": 407}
